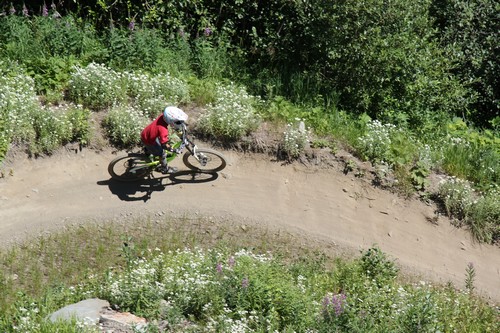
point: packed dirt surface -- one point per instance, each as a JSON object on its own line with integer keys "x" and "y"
{"x": 337, "y": 210}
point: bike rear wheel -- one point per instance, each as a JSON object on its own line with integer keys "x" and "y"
{"x": 129, "y": 168}
{"x": 208, "y": 160}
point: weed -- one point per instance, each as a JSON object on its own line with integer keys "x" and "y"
{"x": 124, "y": 125}
{"x": 232, "y": 115}
{"x": 295, "y": 139}
{"x": 470, "y": 274}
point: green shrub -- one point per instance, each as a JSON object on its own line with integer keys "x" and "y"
{"x": 202, "y": 92}
{"x": 295, "y": 139}
{"x": 232, "y": 115}
{"x": 52, "y": 129}
{"x": 480, "y": 212}
{"x": 79, "y": 120}
{"x": 133, "y": 48}
{"x": 470, "y": 154}
{"x": 209, "y": 60}
{"x": 124, "y": 125}
{"x": 151, "y": 93}
{"x": 96, "y": 86}
{"x": 378, "y": 267}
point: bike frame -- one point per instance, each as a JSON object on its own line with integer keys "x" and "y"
{"x": 178, "y": 147}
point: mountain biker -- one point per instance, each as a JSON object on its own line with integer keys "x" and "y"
{"x": 155, "y": 136}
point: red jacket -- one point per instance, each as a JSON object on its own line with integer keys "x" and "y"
{"x": 157, "y": 129}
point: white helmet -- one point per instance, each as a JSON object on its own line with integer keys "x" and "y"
{"x": 175, "y": 117}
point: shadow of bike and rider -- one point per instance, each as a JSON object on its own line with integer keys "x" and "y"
{"x": 143, "y": 189}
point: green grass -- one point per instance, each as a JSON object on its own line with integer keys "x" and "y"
{"x": 217, "y": 277}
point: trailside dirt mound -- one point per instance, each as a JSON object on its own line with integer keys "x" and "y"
{"x": 338, "y": 210}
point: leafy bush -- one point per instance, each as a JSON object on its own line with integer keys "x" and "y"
{"x": 378, "y": 267}
{"x": 96, "y": 86}
{"x": 468, "y": 32}
{"x": 18, "y": 101}
{"x": 51, "y": 130}
{"x": 480, "y": 212}
{"x": 470, "y": 154}
{"x": 124, "y": 125}
{"x": 202, "y": 92}
{"x": 79, "y": 119}
{"x": 151, "y": 93}
{"x": 232, "y": 115}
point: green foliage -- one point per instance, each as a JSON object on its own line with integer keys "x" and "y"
{"x": 386, "y": 143}
{"x": 232, "y": 115}
{"x": 151, "y": 93}
{"x": 295, "y": 139}
{"x": 51, "y": 131}
{"x": 470, "y": 274}
{"x": 471, "y": 154}
{"x": 419, "y": 174}
{"x": 210, "y": 61}
{"x": 377, "y": 266}
{"x": 124, "y": 125}
{"x": 468, "y": 30}
{"x": 480, "y": 212}
{"x": 79, "y": 120}
{"x": 48, "y": 47}
{"x": 202, "y": 92}
{"x": 96, "y": 86}
{"x": 134, "y": 49}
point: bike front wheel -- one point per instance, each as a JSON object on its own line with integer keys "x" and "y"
{"x": 206, "y": 160}
{"x": 129, "y": 168}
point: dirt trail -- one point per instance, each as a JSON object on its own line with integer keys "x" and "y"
{"x": 68, "y": 188}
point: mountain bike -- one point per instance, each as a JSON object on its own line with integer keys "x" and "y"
{"x": 139, "y": 165}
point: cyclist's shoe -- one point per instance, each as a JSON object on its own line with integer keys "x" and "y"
{"x": 166, "y": 170}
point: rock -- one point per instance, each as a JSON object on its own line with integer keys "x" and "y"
{"x": 122, "y": 322}
{"x": 87, "y": 311}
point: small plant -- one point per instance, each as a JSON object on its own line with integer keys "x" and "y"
{"x": 151, "y": 93}
{"x": 96, "y": 86}
{"x": 232, "y": 115}
{"x": 323, "y": 143}
{"x": 349, "y": 166}
{"x": 480, "y": 211}
{"x": 377, "y": 266}
{"x": 418, "y": 176}
{"x": 457, "y": 196}
{"x": 470, "y": 274}
{"x": 295, "y": 139}
{"x": 79, "y": 119}
{"x": 52, "y": 129}
{"x": 124, "y": 125}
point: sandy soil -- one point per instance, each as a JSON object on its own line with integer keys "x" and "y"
{"x": 338, "y": 210}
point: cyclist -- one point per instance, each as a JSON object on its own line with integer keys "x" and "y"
{"x": 155, "y": 136}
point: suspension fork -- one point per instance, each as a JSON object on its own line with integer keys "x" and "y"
{"x": 198, "y": 156}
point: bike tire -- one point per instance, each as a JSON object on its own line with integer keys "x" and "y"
{"x": 215, "y": 161}
{"x": 119, "y": 168}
